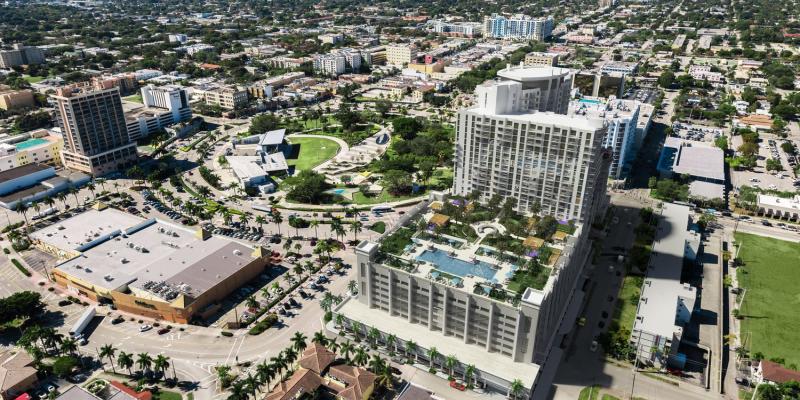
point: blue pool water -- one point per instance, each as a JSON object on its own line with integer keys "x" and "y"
{"x": 29, "y": 143}
{"x": 455, "y": 266}
{"x": 590, "y": 101}
{"x": 339, "y": 191}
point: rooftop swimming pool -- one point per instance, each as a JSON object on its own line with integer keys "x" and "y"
{"x": 589, "y": 101}
{"x": 29, "y": 143}
{"x": 455, "y": 266}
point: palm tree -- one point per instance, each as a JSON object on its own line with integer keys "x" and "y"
{"x": 161, "y": 363}
{"x": 102, "y": 182}
{"x": 69, "y": 345}
{"x": 108, "y": 351}
{"x": 516, "y": 389}
{"x": 339, "y": 319}
{"x": 245, "y": 218}
{"x": 74, "y": 193}
{"x": 356, "y": 327}
{"x": 252, "y": 303}
{"x": 116, "y": 187}
{"x": 345, "y": 349}
{"x": 374, "y": 335}
{"x": 279, "y": 362}
{"x": 62, "y": 197}
{"x": 48, "y": 201}
{"x": 338, "y": 228}
{"x": 260, "y": 220}
{"x": 291, "y": 356}
{"x": 376, "y": 364}
{"x": 223, "y": 374}
{"x": 144, "y": 362}
{"x": 125, "y": 360}
{"x": 277, "y": 219}
{"x": 469, "y": 372}
{"x": 352, "y": 286}
{"x": 391, "y": 341}
{"x": 314, "y": 224}
{"x": 299, "y": 341}
{"x": 36, "y": 206}
{"x": 238, "y": 391}
{"x": 355, "y": 227}
{"x": 265, "y": 372}
{"x": 253, "y": 384}
{"x": 21, "y": 208}
{"x": 450, "y": 363}
{"x": 320, "y": 338}
{"x": 361, "y": 357}
{"x": 91, "y": 188}
{"x": 432, "y": 354}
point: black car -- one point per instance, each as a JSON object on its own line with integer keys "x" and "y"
{"x": 64, "y": 303}
{"x": 303, "y": 294}
{"x": 293, "y": 302}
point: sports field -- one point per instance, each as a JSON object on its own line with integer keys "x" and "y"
{"x": 313, "y": 151}
{"x": 772, "y": 296}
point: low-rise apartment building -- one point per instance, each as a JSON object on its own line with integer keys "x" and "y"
{"x": 400, "y": 54}
{"x": 228, "y": 98}
{"x": 40, "y": 148}
{"x": 536, "y": 58}
{"x": 11, "y": 99}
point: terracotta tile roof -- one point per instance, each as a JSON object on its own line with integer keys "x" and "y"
{"x": 316, "y": 358}
{"x": 777, "y": 373}
{"x": 302, "y": 381}
{"x": 143, "y": 395}
{"x": 15, "y": 367}
{"x": 359, "y": 381}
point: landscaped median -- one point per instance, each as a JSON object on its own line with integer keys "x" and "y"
{"x": 20, "y": 267}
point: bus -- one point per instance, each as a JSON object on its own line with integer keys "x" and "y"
{"x": 381, "y": 209}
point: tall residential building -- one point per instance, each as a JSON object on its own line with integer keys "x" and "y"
{"x": 551, "y": 163}
{"x": 622, "y": 117}
{"x": 21, "y": 55}
{"x": 400, "y": 54}
{"x": 518, "y": 27}
{"x": 96, "y": 138}
{"x": 543, "y": 89}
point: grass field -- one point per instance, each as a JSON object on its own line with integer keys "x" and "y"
{"x": 628, "y": 299}
{"x": 384, "y": 197}
{"x": 313, "y": 152}
{"x": 136, "y": 98}
{"x": 589, "y": 393}
{"x": 33, "y": 79}
{"x": 770, "y": 272}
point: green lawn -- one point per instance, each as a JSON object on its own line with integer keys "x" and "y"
{"x": 313, "y": 151}
{"x": 384, "y": 197}
{"x": 769, "y": 274}
{"x": 589, "y": 393}
{"x": 33, "y": 79}
{"x": 166, "y": 395}
{"x": 379, "y": 227}
{"x": 628, "y": 301}
{"x": 522, "y": 280}
{"x": 136, "y": 98}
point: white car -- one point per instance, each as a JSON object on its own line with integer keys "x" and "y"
{"x": 145, "y": 328}
{"x": 593, "y": 346}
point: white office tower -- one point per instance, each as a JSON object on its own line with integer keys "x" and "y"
{"x": 543, "y": 88}
{"x": 170, "y": 97}
{"x": 544, "y": 160}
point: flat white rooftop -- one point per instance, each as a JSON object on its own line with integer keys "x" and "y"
{"x": 547, "y": 118}
{"x": 662, "y": 288}
{"x": 765, "y": 200}
{"x": 697, "y": 159}
{"x": 81, "y": 229}
{"x": 530, "y": 73}
{"x": 493, "y": 363}
{"x": 133, "y": 251}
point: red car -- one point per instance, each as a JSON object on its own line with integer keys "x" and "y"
{"x": 457, "y": 386}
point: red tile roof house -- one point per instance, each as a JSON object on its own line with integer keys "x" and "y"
{"x": 344, "y": 381}
{"x": 772, "y": 372}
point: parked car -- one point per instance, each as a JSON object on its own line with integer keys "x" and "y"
{"x": 145, "y": 328}
{"x": 163, "y": 331}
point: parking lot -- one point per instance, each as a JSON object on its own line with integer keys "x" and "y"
{"x": 698, "y": 133}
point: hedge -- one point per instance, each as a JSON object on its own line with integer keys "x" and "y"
{"x": 264, "y": 324}
{"x": 20, "y": 267}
